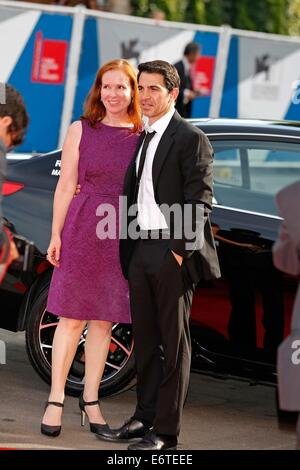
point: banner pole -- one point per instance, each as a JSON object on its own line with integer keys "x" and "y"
{"x": 72, "y": 72}
{"x": 220, "y": 71}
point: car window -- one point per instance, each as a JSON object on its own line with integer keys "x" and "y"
{"x": 248, "y": 174}
{"x": 273, "y": 166}
{"x": 227, "y": 164}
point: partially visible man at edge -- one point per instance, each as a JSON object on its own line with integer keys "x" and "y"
{"x": 13, "y": 125}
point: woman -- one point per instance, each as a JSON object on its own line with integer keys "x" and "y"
{"x": 87, "y": 285}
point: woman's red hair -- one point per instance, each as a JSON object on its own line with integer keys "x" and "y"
{"x": 94, "y": 109}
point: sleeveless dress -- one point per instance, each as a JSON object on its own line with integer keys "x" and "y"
{"x": 89, "y": 285}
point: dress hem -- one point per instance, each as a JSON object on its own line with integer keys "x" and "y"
{"x": 129, "y": 322}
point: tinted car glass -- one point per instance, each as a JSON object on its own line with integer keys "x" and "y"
{"x": 249, "y": 173}
{"x": 228, "y": 165}
{"x": 273, "y": 166}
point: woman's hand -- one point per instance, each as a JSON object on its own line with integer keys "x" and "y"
{"x": 77, "y": 191}
{"x": 53, "y": 252}
{"x": 14, "y": 253}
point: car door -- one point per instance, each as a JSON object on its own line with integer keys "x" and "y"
{"x": 241, "y": 318}
{"x": 28, "y": 204}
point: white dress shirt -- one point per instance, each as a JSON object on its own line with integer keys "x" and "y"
{"x": 150, "y": 216}
{"x": 187, "y": 71}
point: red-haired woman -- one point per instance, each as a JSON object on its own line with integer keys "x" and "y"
{"x": 87, "y": 284}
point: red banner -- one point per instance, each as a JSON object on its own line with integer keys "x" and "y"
{"x": 49, "y": 60}
{"x": 203, "y": 74}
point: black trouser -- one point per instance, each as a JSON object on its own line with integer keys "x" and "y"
{"x": 160, "y": 307}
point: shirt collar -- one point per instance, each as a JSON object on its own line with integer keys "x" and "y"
{"x": 186, "y": 65}
{"x": 161, "y": 124}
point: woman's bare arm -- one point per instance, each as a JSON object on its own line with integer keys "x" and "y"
{"x": 65, "y": 189}
{"x": 68, "y": 177}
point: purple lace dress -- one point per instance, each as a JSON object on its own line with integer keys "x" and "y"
{"x": 89, "y": 284}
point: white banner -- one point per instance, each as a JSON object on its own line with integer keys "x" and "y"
{"x": 267, "y": 71}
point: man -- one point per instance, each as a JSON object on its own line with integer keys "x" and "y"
{"x": 186, "y": 91}
{"x": 172, "y": 165}
{"x": 13, "y": 125}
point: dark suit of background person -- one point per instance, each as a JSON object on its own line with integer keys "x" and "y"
{"x": 161, "y": 290}
{"x": 186, "y": 91}
{"x": 13, "y": 125}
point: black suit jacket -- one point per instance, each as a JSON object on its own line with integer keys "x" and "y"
{"x": 182, "y": 173}
{"x": 184, "y": 109}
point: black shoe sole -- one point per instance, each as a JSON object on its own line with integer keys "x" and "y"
{"x": 117, "y": 439}
{"x": 168, "y": 448}
{"x": 50, "y": 434}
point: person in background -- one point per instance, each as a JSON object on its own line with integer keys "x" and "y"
{"x": 186, "y": 92}
{"x": 157, "y": 14}
{"x": 91, "y": 4}
{"x": 13, "y": 126}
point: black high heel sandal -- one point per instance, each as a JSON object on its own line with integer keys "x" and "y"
{"x": 52, "y": 431}
{"x": 94, "y": 427}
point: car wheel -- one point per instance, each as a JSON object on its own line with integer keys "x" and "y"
{"x": 120, "y": 365}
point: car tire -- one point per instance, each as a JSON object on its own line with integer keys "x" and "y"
{"x": 40, "y": 327}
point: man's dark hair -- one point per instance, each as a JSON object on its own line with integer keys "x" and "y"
{"x": 168, "y": 71}
{"x": 191, "y": 48}
{"x": 14, "y": 107}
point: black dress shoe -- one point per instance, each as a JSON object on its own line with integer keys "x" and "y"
{"x": 153, "y": 441}
{"x": 133, "y": 430}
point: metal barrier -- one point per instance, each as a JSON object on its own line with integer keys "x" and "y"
{"x": 51, "y": 55}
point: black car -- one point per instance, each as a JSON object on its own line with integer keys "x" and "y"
{"x": 237, "y": 321}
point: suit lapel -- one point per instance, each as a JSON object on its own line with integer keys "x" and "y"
{"x": 164, "y": 147}
{"x": 138, "y": 146}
